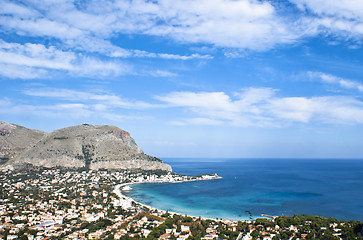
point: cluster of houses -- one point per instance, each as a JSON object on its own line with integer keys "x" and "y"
{"x": 72, "y": 204}
{"x": 57, "y": 203}
{"x": 270, "y": 233}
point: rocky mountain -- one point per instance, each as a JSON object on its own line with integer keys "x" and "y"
{"x": 15, "y": 139}
{"x": 89, "y": 146}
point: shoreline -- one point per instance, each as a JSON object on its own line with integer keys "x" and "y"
{"x": 125, "y": 200}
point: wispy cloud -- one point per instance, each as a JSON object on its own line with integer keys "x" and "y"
{"x": 138, "y": 53}
{"x": 36, "y": 55}
{"x": 88, "y": 29}
{"x": 36, "y": 60}
{"x": 238, "y": 24}
{"x": 349, "y": 9}
{"x": 23, "y": 72}
{"x": 29, "y": 61}
{"x": 340, "y": 18}
{"x": 159, "y": 73}
{"x": 73, "y": 105}
{"x": 257, "y": 107}
{"x": 61, "y": 111}
{"x": 244, "y": 25}
{"x": 260, "y": 107}
{"x": 97, "y": 100}
{"x": 341, "y": 82}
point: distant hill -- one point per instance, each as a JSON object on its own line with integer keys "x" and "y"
{"x": 89, "y": 146}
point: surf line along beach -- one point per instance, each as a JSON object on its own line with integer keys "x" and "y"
{"x": 125, "y": 202}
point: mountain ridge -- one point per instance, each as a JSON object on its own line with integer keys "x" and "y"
{"x": 89, "y": 146}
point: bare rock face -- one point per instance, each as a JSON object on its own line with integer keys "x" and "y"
{"x": 89, "y": 146}
{"x": 14, "y": 139}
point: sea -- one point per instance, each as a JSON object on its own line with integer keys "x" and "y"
{"x": 251, "y": 187}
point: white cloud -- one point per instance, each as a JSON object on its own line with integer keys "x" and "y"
{"x": 35, "y": 55}
{"x": 90, "y": 66}
{"x": 88, "y": 29}
{"x": 297, "y": 109}
{"x": 214, "y": 105}
{"x": 35, "y": 60}
{"x": 22, "y": 72}
{"x": 40, "y": 26}
{"x": 93, "y": 44}
{"x": 240, "y": 24}
{"x": 30, "y": 61}
{"x": 99, "y": 101}
{"x": 139, "y": 53}
{"x": 74, "y": 108}
{"x": 15, "y": 9}
{"x": 219, "y": 107}
{"x": 331, "y": 79}
{"x": 342, "y": 18}
{"x": 63, "y": 111}
{"x": 160, "y": 73}
{"x": 341, "y": 110}
{"x": 240, "y": 109}
{"x": 260, "y": 107}
{"x": 243, "y": 24}
{"x": 349, "y": 9}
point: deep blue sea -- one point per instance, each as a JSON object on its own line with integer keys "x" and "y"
{"x": 330, "y": 188}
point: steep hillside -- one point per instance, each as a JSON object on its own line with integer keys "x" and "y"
{"x": 89, "y": 146}
{"x": 14, "y": 139}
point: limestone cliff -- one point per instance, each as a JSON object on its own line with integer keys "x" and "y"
{"x": 89, "y": 146}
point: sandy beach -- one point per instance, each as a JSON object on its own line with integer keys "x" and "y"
{"x": 125, "y": 201}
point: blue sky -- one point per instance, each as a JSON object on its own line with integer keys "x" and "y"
{"x": 190, "y": 78}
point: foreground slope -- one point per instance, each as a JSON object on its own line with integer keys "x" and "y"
{"x": 89, "y": 146}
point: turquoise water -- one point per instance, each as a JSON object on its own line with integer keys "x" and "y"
{"x": 261, "y": 186}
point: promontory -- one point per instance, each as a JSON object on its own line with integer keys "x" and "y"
{"x": 82, "y": 146}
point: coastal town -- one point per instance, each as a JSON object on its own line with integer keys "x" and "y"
{"x": 38, "y": 203}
